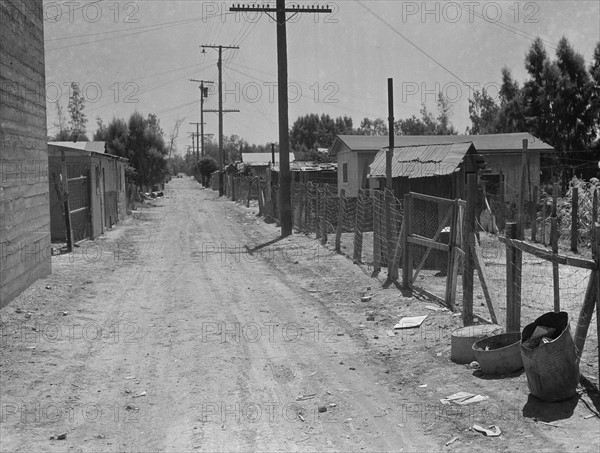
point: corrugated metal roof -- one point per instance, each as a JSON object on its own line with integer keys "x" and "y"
{"x": 483, "y": 143}
{"x": 96, "y": 147}
{"x": 422, "y": 161}
{"x": 262, "y": 158}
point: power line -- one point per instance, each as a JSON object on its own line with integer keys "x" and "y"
{"x": 220, "y": 111}
{"x": 281, "y": 11}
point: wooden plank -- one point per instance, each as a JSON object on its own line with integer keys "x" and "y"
{"x": 406, "y": 248}
{"x": 426, "y": 242}
{"x": 549, "y": 256}
{"x": 468, "y": 238}
{"x": 555, "y": 273}
{"x": 513, "y": 280}
{"x": 358, "y": 236}
{"x": 393, "y": 267}
{"x": 432, "y": 241}
{"x": 428, "y": 294}
{"x": 585, "y": 314}
{"x": 483, "y": 280}
{"x": 439, "y": 200}
{"x": 79, "y": 210}
{"x": 596, "y": 234}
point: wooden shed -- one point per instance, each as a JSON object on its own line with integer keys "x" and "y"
{"x": 97, "y": 189}
{"x": 438, "y": 170}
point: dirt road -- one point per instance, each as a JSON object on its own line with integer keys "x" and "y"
{"x": 176, "y": 304}
{"x": 192, "y": 327}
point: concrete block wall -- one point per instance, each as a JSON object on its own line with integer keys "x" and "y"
{"x": 24, "y": 198}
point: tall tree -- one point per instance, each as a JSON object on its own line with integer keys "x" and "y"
{"x": 377, "y": 126}
{"x": 312, "y": 131}
{"x": 428, "y": 124}
{"x": 78, "y": 119}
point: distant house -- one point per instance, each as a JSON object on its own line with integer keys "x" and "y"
{"x": 502, "y": 154}
{"x": 259, "y": 162}
{"x": 354, "y": 155}
{"x": 25, "y": 252}
{"x": 317, "y": 173}
{"x": 438, "y": 170}
{"x": 97, "y": 189}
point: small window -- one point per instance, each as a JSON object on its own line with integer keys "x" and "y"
{"x": 345, "y": 172}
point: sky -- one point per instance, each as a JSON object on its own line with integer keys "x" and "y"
{"x": 140, "y": 55}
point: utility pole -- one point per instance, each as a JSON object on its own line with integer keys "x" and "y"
{"x": 203, "y": 94}
{"x": 197, "y": 141}
{"x": 285, "y": 180}
{"x": 273, "y": 153}
{"x": 220, "y": 66}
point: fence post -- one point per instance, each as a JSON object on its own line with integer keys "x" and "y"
{"x": 502, "y": 219}
{"x": 534, "y": 210}
{"x": 323, "y": 213}
{"x": 469, "y": 238}
{"x": 543, "y": 225}
{"x": 594, "y": 206}
{"x": 574, "y": 218}
{"x": 406, "y": 247}
{"x": 451, "y": 267}
{"x": 376, "y": 213}
{"x": 554, "y": 244}
{"x": 513, "y": 279}
{"x": 67, "y": 208}
{"x": 358, "y": 224}
{"x": 260, "y": 197}
{"x": 340, "y": 221}
{"x": 317, "y": 211}
{"x": 596, "y": 233}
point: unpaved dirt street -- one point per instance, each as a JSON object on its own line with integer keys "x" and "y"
{"x": 192, "y": 327}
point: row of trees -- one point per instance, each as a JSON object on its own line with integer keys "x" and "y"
{"x": 558, "y": 103}
{"x": 139, "y": 139}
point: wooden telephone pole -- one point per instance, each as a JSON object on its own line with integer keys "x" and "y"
{"x": 285, "y": 180}
{"x": 220, "y": 111}
{"x": 203, "y": 94}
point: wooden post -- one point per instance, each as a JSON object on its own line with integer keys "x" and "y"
{"x": 452, "y": 259}
{"x": 261, "y": 208}
{"x": 302, "y": 208}
{"x": 594, "y": 206}
{"x": 377, "y": 208}
{"x": 358, "y": 224}
{"x": 340, "y": 221}
{"x": 587, "y": 310}
{"x": 574, "y": 218}
{"x": 523, "y": 190}
{"x": 543, "y": 225}
{"x": 554, "y": 244}
{"x": 534, "y": 209}
{"x": 597, "y": 273}
{"x": 513, "y": 280}
{"x": 66, "y": 205}
{"x": 406, "y": 247}
{"x": 324, "y": 201}
{"x": 502, "y": 216}
{"x": 250, "y": 183}
{"x": 388, "y": 202}
{"x": 232, "y": 181}
{"x": 469, "y": 238}
{"x": 317, "y": 212}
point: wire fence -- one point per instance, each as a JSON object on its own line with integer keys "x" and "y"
{"x": 370, "y": 230}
